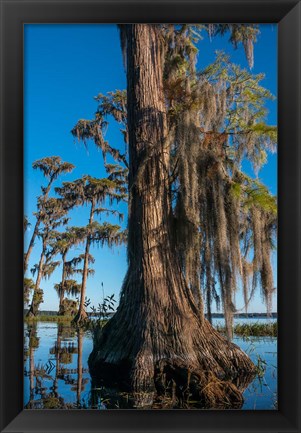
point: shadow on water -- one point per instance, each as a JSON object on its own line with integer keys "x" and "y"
{"x": 181, "y": 392}
{"x": 57, "y": 376}
{"x": 173, "y": 398}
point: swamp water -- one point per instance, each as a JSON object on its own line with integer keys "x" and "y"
{"x": 56, "y": 373}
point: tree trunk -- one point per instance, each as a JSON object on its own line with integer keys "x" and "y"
{"x": 34, "y": 307}
{"x": 81, "y": 316}
{"x": 31, "y": 243}
{"x": 62, "y": 292}
{"x": 158, "y": 334}
{"x": 36, "y": 229}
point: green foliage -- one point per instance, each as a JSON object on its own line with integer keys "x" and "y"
{"x": 48, "y": 318}
{"x": 52, "y": 166}
{"x": 258, "y": 195}
{"x": 102, "y": 312}
{"x": 71, "y": 287}
{"x": 114, "y": 104}
{"x": 255, "y": 330}
{"x": 34, "y": 340}
{"x": 236, "y": 189}
{"x": 89, "y": 189}
{"x": 61, "y": 242}
{"x": 49, "y": 268}
{"x": 28, "y": 287}
{"x": 71, "y": 265}
{"x": 37, "y": 299}
{"x": 106, "y": 233}
{"x": 243, "y": 102}
{"x": 68, "y": 307}
{"x": 52, "y": 214}
{"x": 86, "y": 130}
{"x": 26, "y": 223}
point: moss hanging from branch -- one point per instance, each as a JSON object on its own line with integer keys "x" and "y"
{"x": 218, "y": 120}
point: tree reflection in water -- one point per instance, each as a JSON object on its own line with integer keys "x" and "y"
{"x": 57, "y": 368}
{"x": 58, "y": 378}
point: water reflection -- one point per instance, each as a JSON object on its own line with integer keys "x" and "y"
{"x": 57, "y": 375}
{"x": 48, "y": 379}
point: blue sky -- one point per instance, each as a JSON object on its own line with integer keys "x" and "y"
{"x": 66, "y": 65}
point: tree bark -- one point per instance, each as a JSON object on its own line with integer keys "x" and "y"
{"x": 62, "y": 292}
{"x": 33, "y": 310}
{"x": 81, "y": 316}
{"x": 31, "y": 243}
{"x": 36, "y": 228}
{"x": 158, "y": 334}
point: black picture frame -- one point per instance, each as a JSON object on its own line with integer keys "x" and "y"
{"x": 14, "y": 14}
